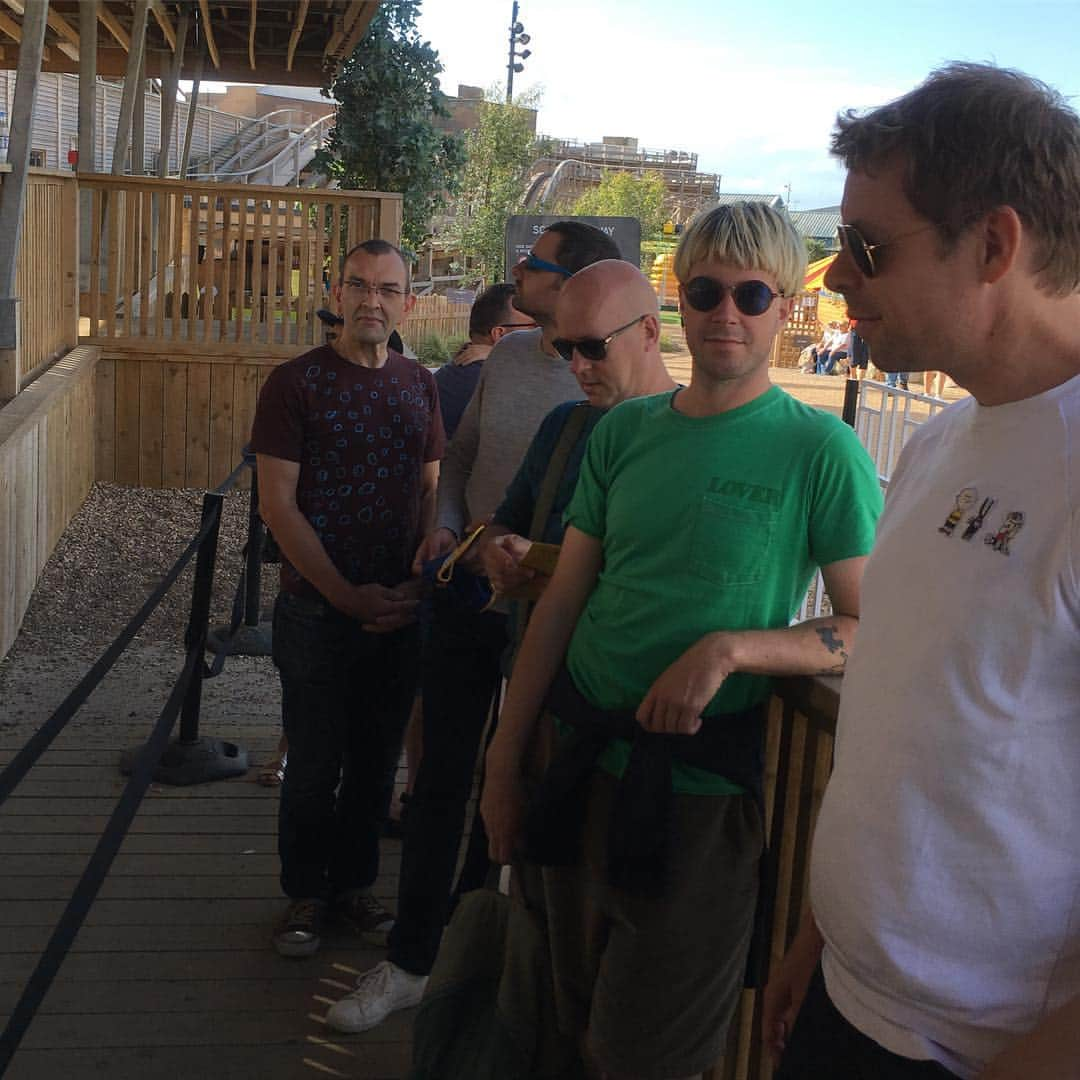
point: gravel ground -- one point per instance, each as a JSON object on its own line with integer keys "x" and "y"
{"x": 113, "y": 554}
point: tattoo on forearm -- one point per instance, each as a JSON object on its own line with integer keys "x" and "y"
{"x": 836, "y": 646}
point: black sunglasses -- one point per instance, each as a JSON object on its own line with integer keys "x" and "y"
{"x": 591, "y": 348}
{"x": 751, "y": 297}
{"x": 862, "y": 253}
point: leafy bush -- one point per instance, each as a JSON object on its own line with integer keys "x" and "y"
{"x": 434, "y": 350}
{"x": 669, "y": 344}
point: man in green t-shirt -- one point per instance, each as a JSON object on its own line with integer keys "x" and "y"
{"x": 698, "y": 522}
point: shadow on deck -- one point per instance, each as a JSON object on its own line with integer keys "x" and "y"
{"x": 173, "y": 973}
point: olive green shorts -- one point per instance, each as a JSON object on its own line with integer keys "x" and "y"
{"x": 652, "y": 984}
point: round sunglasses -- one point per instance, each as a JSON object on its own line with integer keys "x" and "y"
{"x": 591, "y": 348}
{"x": 751, "y": 297}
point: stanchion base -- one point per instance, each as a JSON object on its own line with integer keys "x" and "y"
{"x": 249, "y": 640}
{"x": 197, "y": 762}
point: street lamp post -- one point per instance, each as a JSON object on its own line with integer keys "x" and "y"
{"x": 517, "y": 37}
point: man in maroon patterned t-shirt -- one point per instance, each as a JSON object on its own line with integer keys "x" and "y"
{"x": 348, "y": 439}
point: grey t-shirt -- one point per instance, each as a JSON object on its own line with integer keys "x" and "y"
{"x": 519, "y": 386}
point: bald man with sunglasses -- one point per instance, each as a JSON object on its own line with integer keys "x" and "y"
{"x": 699, "y": 517}
{"x": 608, "y": 321}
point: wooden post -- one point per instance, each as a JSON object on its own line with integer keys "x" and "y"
{"x": 169, "y": 85}
{"x": 87, "y": 129}
{"x": 13, "y": 193}
{"x": 131, "y": 85}
{"x": 193, "y": 101}
{"x": 138, "y": 121}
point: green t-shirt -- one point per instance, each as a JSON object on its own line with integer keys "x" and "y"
{"x": 708, "y": 523}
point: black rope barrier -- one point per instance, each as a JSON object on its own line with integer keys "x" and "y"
{"x": 189, "y": 759}
{"x": 41, "y": 739}
{"x": 96, "y": 869}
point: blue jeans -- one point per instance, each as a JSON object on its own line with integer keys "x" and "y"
{"x": 346, "y": 697}
{"x": 896, "y": 378}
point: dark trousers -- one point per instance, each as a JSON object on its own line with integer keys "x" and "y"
{"x": 461, "y": 675}
{"x": 824, "y": 1046}
{"x": 346, "y": 697}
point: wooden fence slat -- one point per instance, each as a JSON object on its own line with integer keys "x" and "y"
{"x": 129, "y": 272}
{"x": 97, "y": 223}
{"x": 223, "y": 300}
{"x": 198, "y": 429}
{"x": 151, "y": 424}
{"x": 206, "y": 278}
{"x": 162, "y": 270}
{"x": 146, "y": 223}
{"x": 174, "y": 442}
{"x": 257, "y": 306}
{"x": 191, "y": 333}
{"x": 221, "y": 422}
{"x": 305, "y": 307}
{"x": 241, "y": 285}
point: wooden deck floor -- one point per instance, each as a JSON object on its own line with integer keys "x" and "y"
{"x": 173, "y": 974}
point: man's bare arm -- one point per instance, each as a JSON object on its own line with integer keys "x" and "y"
{"x": 820, "y": 646}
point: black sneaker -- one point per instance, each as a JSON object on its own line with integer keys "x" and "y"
{"x": 299, "y": 933}
{"x": 365, "y": 915}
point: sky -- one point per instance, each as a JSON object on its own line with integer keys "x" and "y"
{"x": 751, "y": 88}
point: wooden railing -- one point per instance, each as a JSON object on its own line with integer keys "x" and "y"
{"x": 46, "y": 469}
{"x": 45, "y": 280}
{"x": 219, "y": 266}
{"x": 798, "y": 759}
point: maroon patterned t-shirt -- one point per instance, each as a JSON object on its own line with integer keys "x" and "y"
{"x": 361, "y": 436}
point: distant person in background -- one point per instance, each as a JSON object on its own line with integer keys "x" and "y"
{"x": 934, "y": 383}
{"x": 491, "y": 317}
{"x": 858, "y": 353}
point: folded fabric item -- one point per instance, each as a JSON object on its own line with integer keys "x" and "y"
{"x": 472, "y": 591}
{"x": 729, "y": 744}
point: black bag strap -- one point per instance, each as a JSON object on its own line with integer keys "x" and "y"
{"x": 556, "y": 467}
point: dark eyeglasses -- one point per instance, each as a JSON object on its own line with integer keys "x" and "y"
{"x": 751, "y": 297}
{"x": 862, "y": 253}
{"x": 531, "y": 262}
{"x": 591, "y": 348}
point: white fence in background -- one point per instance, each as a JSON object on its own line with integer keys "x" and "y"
{"x": 884, "y": 421}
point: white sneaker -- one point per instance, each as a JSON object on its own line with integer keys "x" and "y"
{"x": 379, "y": 992}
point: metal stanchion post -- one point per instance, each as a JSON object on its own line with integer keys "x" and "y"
{"x": 851, "y": 402}
{"x": 253, "y": 637}
{"x": 191, "y": 758}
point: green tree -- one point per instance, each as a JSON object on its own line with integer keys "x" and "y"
{"x": 383, "y": 138}
{"x": 499, "y": 153}
{"x": 815, "y": 249}
{"x": 621, "y": 194}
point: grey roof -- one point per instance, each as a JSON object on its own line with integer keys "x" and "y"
{"x": 726, "y": 198}
{"x": 818, "y": 224}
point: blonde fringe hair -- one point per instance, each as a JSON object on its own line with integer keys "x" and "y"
{"x": 749, "y": 236}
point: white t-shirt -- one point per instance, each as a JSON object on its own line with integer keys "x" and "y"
{"x": 945, "y": 874}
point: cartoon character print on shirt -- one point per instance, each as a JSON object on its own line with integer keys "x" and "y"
{"x": 975, "y": 522}
{"x": 965, "y": 500}
{"x": 1013, "y": 523}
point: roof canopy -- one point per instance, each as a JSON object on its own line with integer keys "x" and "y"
{"x": 295, "y": 42}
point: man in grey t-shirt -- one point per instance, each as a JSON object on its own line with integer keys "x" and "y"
{"x": 523, "y": 379}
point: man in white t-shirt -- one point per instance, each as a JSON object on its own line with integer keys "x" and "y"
{"x": 944, "y": 929}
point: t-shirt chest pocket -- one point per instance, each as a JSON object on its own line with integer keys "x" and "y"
{"x": 730, "y": 543}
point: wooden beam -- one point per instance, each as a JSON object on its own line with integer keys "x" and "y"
{"x": 251, "y": 32}
{"x": 297, "y": 30}
{"x": 169, "y": 85}
{"x": 359, "y": 26}
{"x": 87, "y": 90}
{"x": 69, "y": 46}
{"x": 112, "y": 24}
{"x": 208, "y": 33}
{"x": 122, "y": 143}
{"x": 10, "y": 27}
{"x": 16, "y": 5}
{"x": 163, "y": 20}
